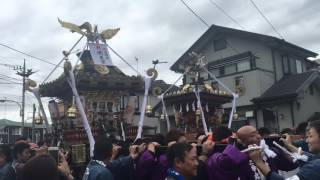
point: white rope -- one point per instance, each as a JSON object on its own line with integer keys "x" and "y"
{"x": 235, "y": 96}
{"x": 147, "y": 82}
{"x": 72, "y": 84}
{"x": 164, "y": 109}
{"x": 62, "y": 60}
{"x": 164, "y": 112}
{"x": 172, "y": 85}
{"x": 122, "y": 132}
{"x": 204, "y": 124}
{"x": 295, "y": 156}
{"x": 35, "y": 92}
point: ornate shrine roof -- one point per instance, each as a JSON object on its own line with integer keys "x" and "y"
{"x": 88, "y": 79}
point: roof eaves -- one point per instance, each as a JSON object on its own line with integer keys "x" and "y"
{"x": 308, "y": 81}
{"x": 262, "y": 100}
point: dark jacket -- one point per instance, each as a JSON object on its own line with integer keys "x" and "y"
{"x": 122, "y": 168}
{"x": 97, "y": 171}
{"x": 308, "y": 170}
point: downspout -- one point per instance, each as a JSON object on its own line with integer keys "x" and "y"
{"x": 274, "y": 65}
{"x": 256, "y": 116}
{"x": 292, "y": 114}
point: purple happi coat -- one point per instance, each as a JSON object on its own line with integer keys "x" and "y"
{"x": 232, "y": 164}
{"x": 150, "y": 167}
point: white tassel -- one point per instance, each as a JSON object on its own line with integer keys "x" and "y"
{"x": 193, "y": 106}
{"x": 180, "y": 110}
{"x": 207, "y": 107}
{"x": 187, "y": 107}
{"x": 265, "y": 148}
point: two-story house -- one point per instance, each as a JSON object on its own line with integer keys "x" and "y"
{"x": 271, "y": 76}
{"x": 11, "y": 130}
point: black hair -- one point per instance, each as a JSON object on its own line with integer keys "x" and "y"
{"x": 316, "y": 125}
{"x": 221, "y": 133}
{"x": 264, "y": 131}
{"x": 174, "y": 135}
{"x": 40, "y": 167}
{"x": 102, "y": 149}
{"x": 6, "y": 151}
{"x": 177, "y": 151}
{"x": 19, "y": 148}
{"x": 301, "y": 128}
{"x": 159, "y": 138}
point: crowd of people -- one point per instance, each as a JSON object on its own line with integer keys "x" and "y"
{"x": 245, "y": 154}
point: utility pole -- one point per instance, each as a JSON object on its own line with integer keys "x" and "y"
{"x": 33, "y": 122}
{"x": 25, "y": 74}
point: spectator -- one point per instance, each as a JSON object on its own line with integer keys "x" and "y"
{"x": 45, "y": 167}
{"x": 309, "y": 170}
{"x": 301, "y": 130}
{"x": 288, "y": 131}
{"x": 5, "y": 159}
{"x": 96, "y": 169}
{"x": 264, "y": 132}
{"x": 150, "y": 167}
{"x": 182, "y": 161}
{"x": 21, "y": 154}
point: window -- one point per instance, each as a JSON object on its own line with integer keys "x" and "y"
{"x": 221, "y": 71}
{"x": 239, "y": 84}
{"x": 285, "y": 65}
{"x": 4, "y": 131}
{"x": 243, "y": 66}
{"x": 299, "y": 66}
{"x": 215, "y": 72}
{"x": 219, "y": 44}
{"x": 229, "y": 69}
{"x": 110, "y": 106}
{"x": 102, "y": 107}
{"x": 16, "y": 131}
{"x": 94, "y": 106}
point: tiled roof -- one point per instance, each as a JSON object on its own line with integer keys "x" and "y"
{"x": 287, "y": 87}
{"x": 215, "y": 30}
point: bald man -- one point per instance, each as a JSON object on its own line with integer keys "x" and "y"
{"x": 232, "y": 164}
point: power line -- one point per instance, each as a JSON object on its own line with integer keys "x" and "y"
{"x": 10, "y": 83}
{"x": 202, "y": 20}
{"x": 225, "y": 13}
{"x": 29, "y": 55}
{"x": 10, "y": 77}
{"x": 9, "y": 80}
{"x": 194, "y": 13}
{"x": 266, "y": 19}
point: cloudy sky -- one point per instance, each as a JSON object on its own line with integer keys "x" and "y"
{"x": 150, "y": 29}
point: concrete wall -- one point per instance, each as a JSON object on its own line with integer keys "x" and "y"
{"x": 284, "y": 116}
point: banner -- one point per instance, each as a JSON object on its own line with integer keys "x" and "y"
{"x": 130, "y": 109}
{"x": 100, "y": 54}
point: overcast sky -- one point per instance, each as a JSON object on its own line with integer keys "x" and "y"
{"x": 150, "y": 29}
